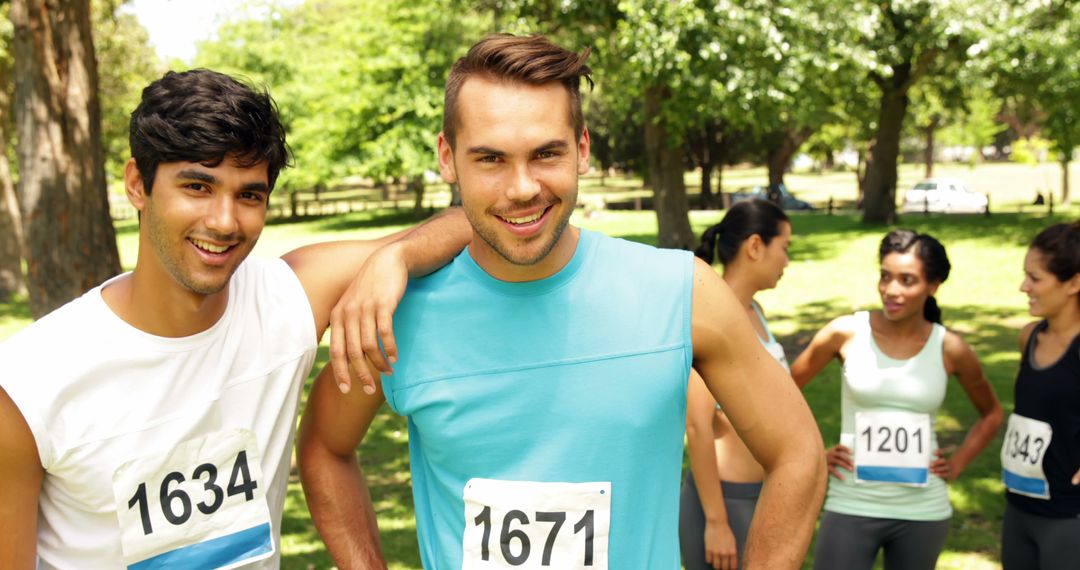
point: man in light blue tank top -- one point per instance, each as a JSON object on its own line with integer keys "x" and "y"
{"x": 544, "y": 370}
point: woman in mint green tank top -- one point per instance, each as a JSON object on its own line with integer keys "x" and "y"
{"x": 721, "y": 490}
{"x": 888, "y": 478}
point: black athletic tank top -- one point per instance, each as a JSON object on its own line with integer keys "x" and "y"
{"x": 1052, "y": 395}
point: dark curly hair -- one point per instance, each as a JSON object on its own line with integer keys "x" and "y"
{"x": 203, "y": 116}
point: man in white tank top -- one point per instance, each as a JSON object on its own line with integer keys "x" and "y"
{"x": 149, "y": 423}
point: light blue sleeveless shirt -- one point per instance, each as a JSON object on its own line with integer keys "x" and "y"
{"x": 579, "y": 377}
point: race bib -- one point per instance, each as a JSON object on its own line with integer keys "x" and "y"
{"x": 892, "y": 447}
{"x": 527, "y": 525}
{"x": 200, "y": 505}
{"x": 1022, "y": 454}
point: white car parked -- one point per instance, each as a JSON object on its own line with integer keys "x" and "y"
{"x": 945, "y": 196}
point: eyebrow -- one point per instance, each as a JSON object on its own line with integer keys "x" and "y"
{"x": 556, "y": 144}
{"x": 192, "y": 174}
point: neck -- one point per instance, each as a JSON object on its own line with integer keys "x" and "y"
{"x": 497, "y": 266}
{"x": 1065, "y": 324}
{"x": 163, "y": 309}
{"x": 741, "y": 285}
{"x": 911, "y": 326}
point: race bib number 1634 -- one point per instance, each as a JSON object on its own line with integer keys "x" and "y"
{"x": 535, "y": 525}
{"x": 201, "y": 504}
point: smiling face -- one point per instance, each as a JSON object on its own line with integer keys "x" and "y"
{"x": 1047, "y": 295}
{"x": 199, "y": 222}
{"x": 902, "y": 285}
{"x": 517, "y": 162}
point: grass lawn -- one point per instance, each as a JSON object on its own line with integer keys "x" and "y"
{"x": 833, "y": 272}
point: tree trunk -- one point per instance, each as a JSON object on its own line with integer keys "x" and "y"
{"x": 879, "y": 200}
{"x": 11, "y": 237}
{"x": 70, "y": 241}
{"x": 778, "y": 157}
{"x": 666, "y": 175}
{"x": 928, "y": 152}
{"x": 1065, "y": 176}
{"x": 706, "y": 199}
{"x": 416, "y": 186}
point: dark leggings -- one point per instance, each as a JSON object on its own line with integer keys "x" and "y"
{"x": 739, "y": 500}
{"x": 1037, "y": 543}
{"x": 852, "y": 542}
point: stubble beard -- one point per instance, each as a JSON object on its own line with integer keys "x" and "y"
{"x": 490, "y": 236}
{"x": 172, "y": 260}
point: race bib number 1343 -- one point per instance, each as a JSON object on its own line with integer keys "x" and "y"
{"x": 534, "y": 525}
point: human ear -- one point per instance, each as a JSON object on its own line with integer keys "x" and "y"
{"x": 584, "y": 146}
{"x": 754, "y": 247}
{"x": 134, "y": 185}
{"x": 446, "y": 161}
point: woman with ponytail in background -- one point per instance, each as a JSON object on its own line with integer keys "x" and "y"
{"x": 1040, "y": 456}
{"x": 721, "y": 489}
{"x": 887, "y": 489}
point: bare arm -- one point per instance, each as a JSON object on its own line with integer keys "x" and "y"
{"x": 825, "y": 346}
{"x": 769, "y": 415}
{"x": 961, "y": 361}
{"x": 354, "y": 287}
{"x": 20, "y": 485}
{"x": 332, "y": 426}
{"x": 720, "y": 548}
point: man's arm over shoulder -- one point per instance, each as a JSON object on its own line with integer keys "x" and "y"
{"x": 770, "y": 416}
{"x": 332, "y": 426}
{"x": 355, "y": 286}
{"x": 21, "y": 475}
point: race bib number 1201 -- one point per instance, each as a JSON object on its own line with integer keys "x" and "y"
{"x": 200, "y": 505}
{"x": 892, "y": 446}
{"x": 534, "y": 525}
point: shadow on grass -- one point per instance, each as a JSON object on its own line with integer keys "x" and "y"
{"x": 832, "y": 233}
{"x": 17, "y": 307}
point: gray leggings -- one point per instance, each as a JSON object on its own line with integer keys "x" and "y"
{"x": 739, "y": 500}
{"x": 852, "y": 542}
{"x": 1033, "y": 542}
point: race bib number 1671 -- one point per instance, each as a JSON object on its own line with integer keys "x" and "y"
{"x": 535, "y": 525}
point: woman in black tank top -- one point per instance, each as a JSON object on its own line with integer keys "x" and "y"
{"x": 1041, "y": 452}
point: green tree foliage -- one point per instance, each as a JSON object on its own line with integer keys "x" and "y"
{"x": 126, "y": 64}
{"x": 898, "y": 43}
{"x": 1038, "y": 68}
{"x": 359, "y": 82}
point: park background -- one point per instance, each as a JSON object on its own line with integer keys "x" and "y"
{"x": 846, "y": 103}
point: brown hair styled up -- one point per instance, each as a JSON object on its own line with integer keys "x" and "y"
{"x": 532, "y": 60}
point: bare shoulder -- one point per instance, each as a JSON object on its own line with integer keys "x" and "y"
{"x": 1025, "y": 334}
{"x": 837, "y": 331}
{"x": 17, "y": 443}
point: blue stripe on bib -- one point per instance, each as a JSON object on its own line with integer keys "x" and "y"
{"x": 215, "y": 553}
{"x": 1029, "y": 485}
{"x": 910, "y": 475}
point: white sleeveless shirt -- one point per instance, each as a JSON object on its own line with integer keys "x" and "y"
{"x": 154, "y": 447}
{"x": 874, "y": 381}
